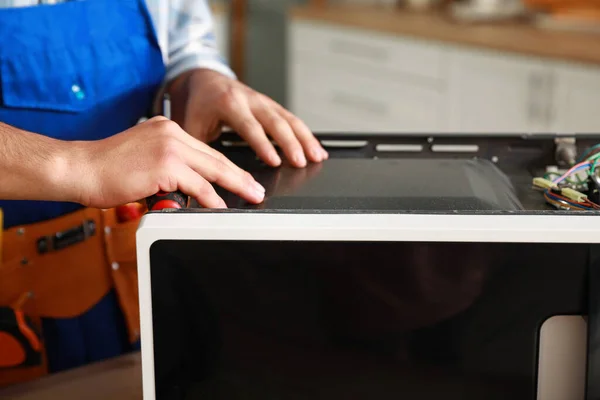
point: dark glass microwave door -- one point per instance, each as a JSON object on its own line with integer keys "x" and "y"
{"x": 332, "y": 320}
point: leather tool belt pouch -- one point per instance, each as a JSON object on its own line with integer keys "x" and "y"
{"x": 66, "y": 265}
{"x": 120, "y": 242}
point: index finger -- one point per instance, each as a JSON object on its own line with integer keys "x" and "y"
{"x": 215, "y": 171}
{"x": 194, "y": 143}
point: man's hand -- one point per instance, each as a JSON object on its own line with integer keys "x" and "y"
{"x": 204, "y": 100}
{"x": 153, "y": 156}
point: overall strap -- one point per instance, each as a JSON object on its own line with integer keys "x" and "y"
{"x": 78, "y": 70}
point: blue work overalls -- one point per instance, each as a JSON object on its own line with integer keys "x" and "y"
{"x": 81, "y": 70}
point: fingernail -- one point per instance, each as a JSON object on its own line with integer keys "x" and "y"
{"x": 259, "y": 196}
{"x": 300, "y": 159}
{"x": 223, "y": 204}
{"x": 317, "y": 154}
{"x": 275, "y": 159}
{"x": 259, "y": 188}
{"x": 325, "y": 154}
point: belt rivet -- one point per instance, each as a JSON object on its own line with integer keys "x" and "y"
{"x": 20, "y": 231}
{"x": 107, "y": 230}
{"x": 115, "y": 266}
{"x": 24, "y": 261}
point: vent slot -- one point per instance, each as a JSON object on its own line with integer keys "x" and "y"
{"x": 399, "y": 148}
{"x": 455, "y": 148}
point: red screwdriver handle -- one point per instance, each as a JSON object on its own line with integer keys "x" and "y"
{"x": 162, "y": 200}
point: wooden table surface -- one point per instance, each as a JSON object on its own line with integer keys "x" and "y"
{"x": 116, "y": 379}
{"x": 515, "y": 37}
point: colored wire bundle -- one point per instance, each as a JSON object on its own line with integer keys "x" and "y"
{"x": 589, "y": 152}
{"x": 563, "y": 202}
{"x": 554, "y": 175}
{"x": 564, "y": 196}
{"x": 589, "y": 163}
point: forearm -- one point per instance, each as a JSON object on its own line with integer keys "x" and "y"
{"x": 35, "y": 167}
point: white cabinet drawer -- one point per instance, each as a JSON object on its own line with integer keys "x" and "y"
{"x": 369, "y": 49}
{"x": 495, "y": 92}
{"x": 323, "y": 123}
{"x": 576, "y": 107}
{"x": 366, "y": 104}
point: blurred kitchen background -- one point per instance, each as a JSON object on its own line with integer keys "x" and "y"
{"x": 499, "y": 66}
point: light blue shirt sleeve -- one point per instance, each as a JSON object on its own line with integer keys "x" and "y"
{"x": 191, "y": 39}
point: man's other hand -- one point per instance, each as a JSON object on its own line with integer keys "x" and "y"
{"x": 204, "y": 100}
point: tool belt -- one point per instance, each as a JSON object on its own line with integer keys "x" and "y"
{"x": 63, "y": 267}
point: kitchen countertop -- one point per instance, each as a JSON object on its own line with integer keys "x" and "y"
{"x": 515, "y": 37}
{"x": 115, "y": 379}
{"x": 218, "y": 7}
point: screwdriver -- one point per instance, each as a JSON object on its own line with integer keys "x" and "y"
{"x": 162, "y": 200}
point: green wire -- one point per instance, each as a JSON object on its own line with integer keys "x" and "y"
{"x": 594, "y": 158}
{"x": 593, "y": 167}
{"x": 549, "y": 175}
{"x": 588, "y": 151}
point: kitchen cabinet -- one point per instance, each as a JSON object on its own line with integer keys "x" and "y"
{"x": 344, "y": 79}
{"x": 576, "y": 101}
{"x": 496, "y": 93}
{"x": 363, "y": 103}
{"x": 354, "y": 79}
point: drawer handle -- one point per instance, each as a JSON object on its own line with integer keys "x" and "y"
{"x": 359, "y": 50}
{"x": 549, "y": 88}
{"x": 360, "y": 103}
{"x": 536, "y": 84}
